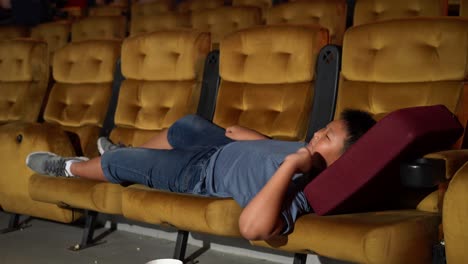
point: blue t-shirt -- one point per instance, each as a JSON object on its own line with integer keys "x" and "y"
{"x": 241, "y": 169}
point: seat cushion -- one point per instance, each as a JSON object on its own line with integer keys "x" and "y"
{"x": 366, "y": 172}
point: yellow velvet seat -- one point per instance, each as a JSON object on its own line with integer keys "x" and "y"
{"x": 149, "y": 23}
{"x": 197, "y": 5}
{"x": 264, "y": 5}
{"x": 13, "y": 32}
{"x": 455, "y": 215}
{"x": 224, "y": 20}
{"x": 267, "y": 76}
{"x": 99, "y": 27}
{"x": 162, "y": 84}
{"x": 367, "y": 11}
{"x": 56, "y": 34}
{"x": 328, "y": 14}
{"x": 24, "y": 73}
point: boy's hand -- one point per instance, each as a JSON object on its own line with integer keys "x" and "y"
{"x": 243, "y": 133}
{"x": 302, "y": 160}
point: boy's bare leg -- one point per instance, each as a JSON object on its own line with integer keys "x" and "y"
{"x": 158, "y": 141}
{"x": 90, "y": 169}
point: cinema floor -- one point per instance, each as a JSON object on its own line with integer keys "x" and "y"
{"x": 45, "y": 242}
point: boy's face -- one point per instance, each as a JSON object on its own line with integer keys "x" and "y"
{"x": 329, "y": 141}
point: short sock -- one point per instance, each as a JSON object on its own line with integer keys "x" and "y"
{"x": 68, "y": 164}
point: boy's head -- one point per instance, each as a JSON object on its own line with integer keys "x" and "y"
{"x": 333, "y": 140}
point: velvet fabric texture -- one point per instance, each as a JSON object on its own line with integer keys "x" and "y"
{"x": 368, "y": 11}
{"x": 150, "y": 8}
{"x": 224, "y": 20}
{"x": 78, "y": 101}
{"x": 56, "y": 34}
{"x": 108, "y": 10}
{"x": 24, "y": 74}
{"x": 99, "y": 27}
{"x": 328, "y": 14}
{"x": 455, "y": 213}
{"x": 463, "y": 8}
{"x": 149, "y": 23}
{"x": 18, "y": 140}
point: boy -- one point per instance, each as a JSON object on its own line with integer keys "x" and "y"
{"x": 264, "y": 176}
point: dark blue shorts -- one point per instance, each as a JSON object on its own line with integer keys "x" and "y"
{"x": 194, "y": 140}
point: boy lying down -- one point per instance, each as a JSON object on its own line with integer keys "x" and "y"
{"x": 264, "y": 176}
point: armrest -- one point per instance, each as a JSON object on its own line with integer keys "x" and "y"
{"x": 432, "y": 169}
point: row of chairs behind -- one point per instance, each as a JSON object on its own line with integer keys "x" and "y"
{"x": 267, "y": 79}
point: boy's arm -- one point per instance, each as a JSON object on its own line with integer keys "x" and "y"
{"x": 260, "y": 219}
{"x": 243, "y": 133}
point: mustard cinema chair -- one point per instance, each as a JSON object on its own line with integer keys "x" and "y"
{"x": 225, "y": 20}
{"x": 267, "y": 84}
{"x": 367, "y": 11}
{"x": 197, "y": 5}
{"x": 264, "y": 5}
{"x": 56, "y": 34}
{"x": 99, "y": 27}
{"x": 387, "y": 66}
{"x": 149, "y": 23}
{"x": 109, "y": 10}
{"x": 163, "y": 78}
{"x": 328, "y": 14}
{"x": 13, "y": 32}
{"x": 454, "y": 217}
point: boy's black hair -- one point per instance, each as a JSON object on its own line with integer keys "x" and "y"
{"x": 357, "y": 123}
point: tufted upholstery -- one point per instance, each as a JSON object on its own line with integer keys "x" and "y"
{"x": 274, "y": 62}
{"x": 197, "y": 5}
{"x": 12, "y": 32}
{"x": 367, "y": 11}
{"x": 24, "y": 74}
{"x": 83, "y": 72}
{"x": 150, "y": 8}
{"x": 99, "y": 27}
{"x": 149, "y": 23}
{"x": 224, "y": 20}
{"x": 267, "y": 75}
{"x": 328, "y": 14}
{"x": 165, "y": 65}
{"x": 162, "y": 84}
{"x": 56, "y": 34}
{"x": 408, "y": 62}
{"x": 107, "y": 11}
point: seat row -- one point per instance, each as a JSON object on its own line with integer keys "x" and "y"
{"x": 281, "y": 80}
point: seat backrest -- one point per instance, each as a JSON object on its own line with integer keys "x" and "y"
{"x": 24, "y": 74}
{"x": 149, "y": 23}
{"x": 367, "y": 11}
{"x": 150, "y": 8}
{"x": 99, "y": 27}
{"x": 56, "y": 34}
{"x": 224, "y": 20}
{"x": 162, "y": 71}
{"x": 83, "y": 73}
{"x": 13, "y": 32}
{"x": 403, "y": 63}
{"x": 330, "y": 14}
{"x": 197, "y": 5}
{"x": 262, "y": 4}
{"x": 267, "y": 79}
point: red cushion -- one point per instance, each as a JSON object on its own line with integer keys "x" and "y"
{"x": 368, "y": 170}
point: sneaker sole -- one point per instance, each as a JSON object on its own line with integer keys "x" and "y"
{"x": 100, "y": 149}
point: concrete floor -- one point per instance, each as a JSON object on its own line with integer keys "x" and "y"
{"x": 46, "y": 242}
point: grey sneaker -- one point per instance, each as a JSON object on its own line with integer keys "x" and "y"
{"x": 104, "y": 144}
{"x": 48, "y": 163}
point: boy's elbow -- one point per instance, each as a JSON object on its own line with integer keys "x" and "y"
{"x": 255, "y": 232}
